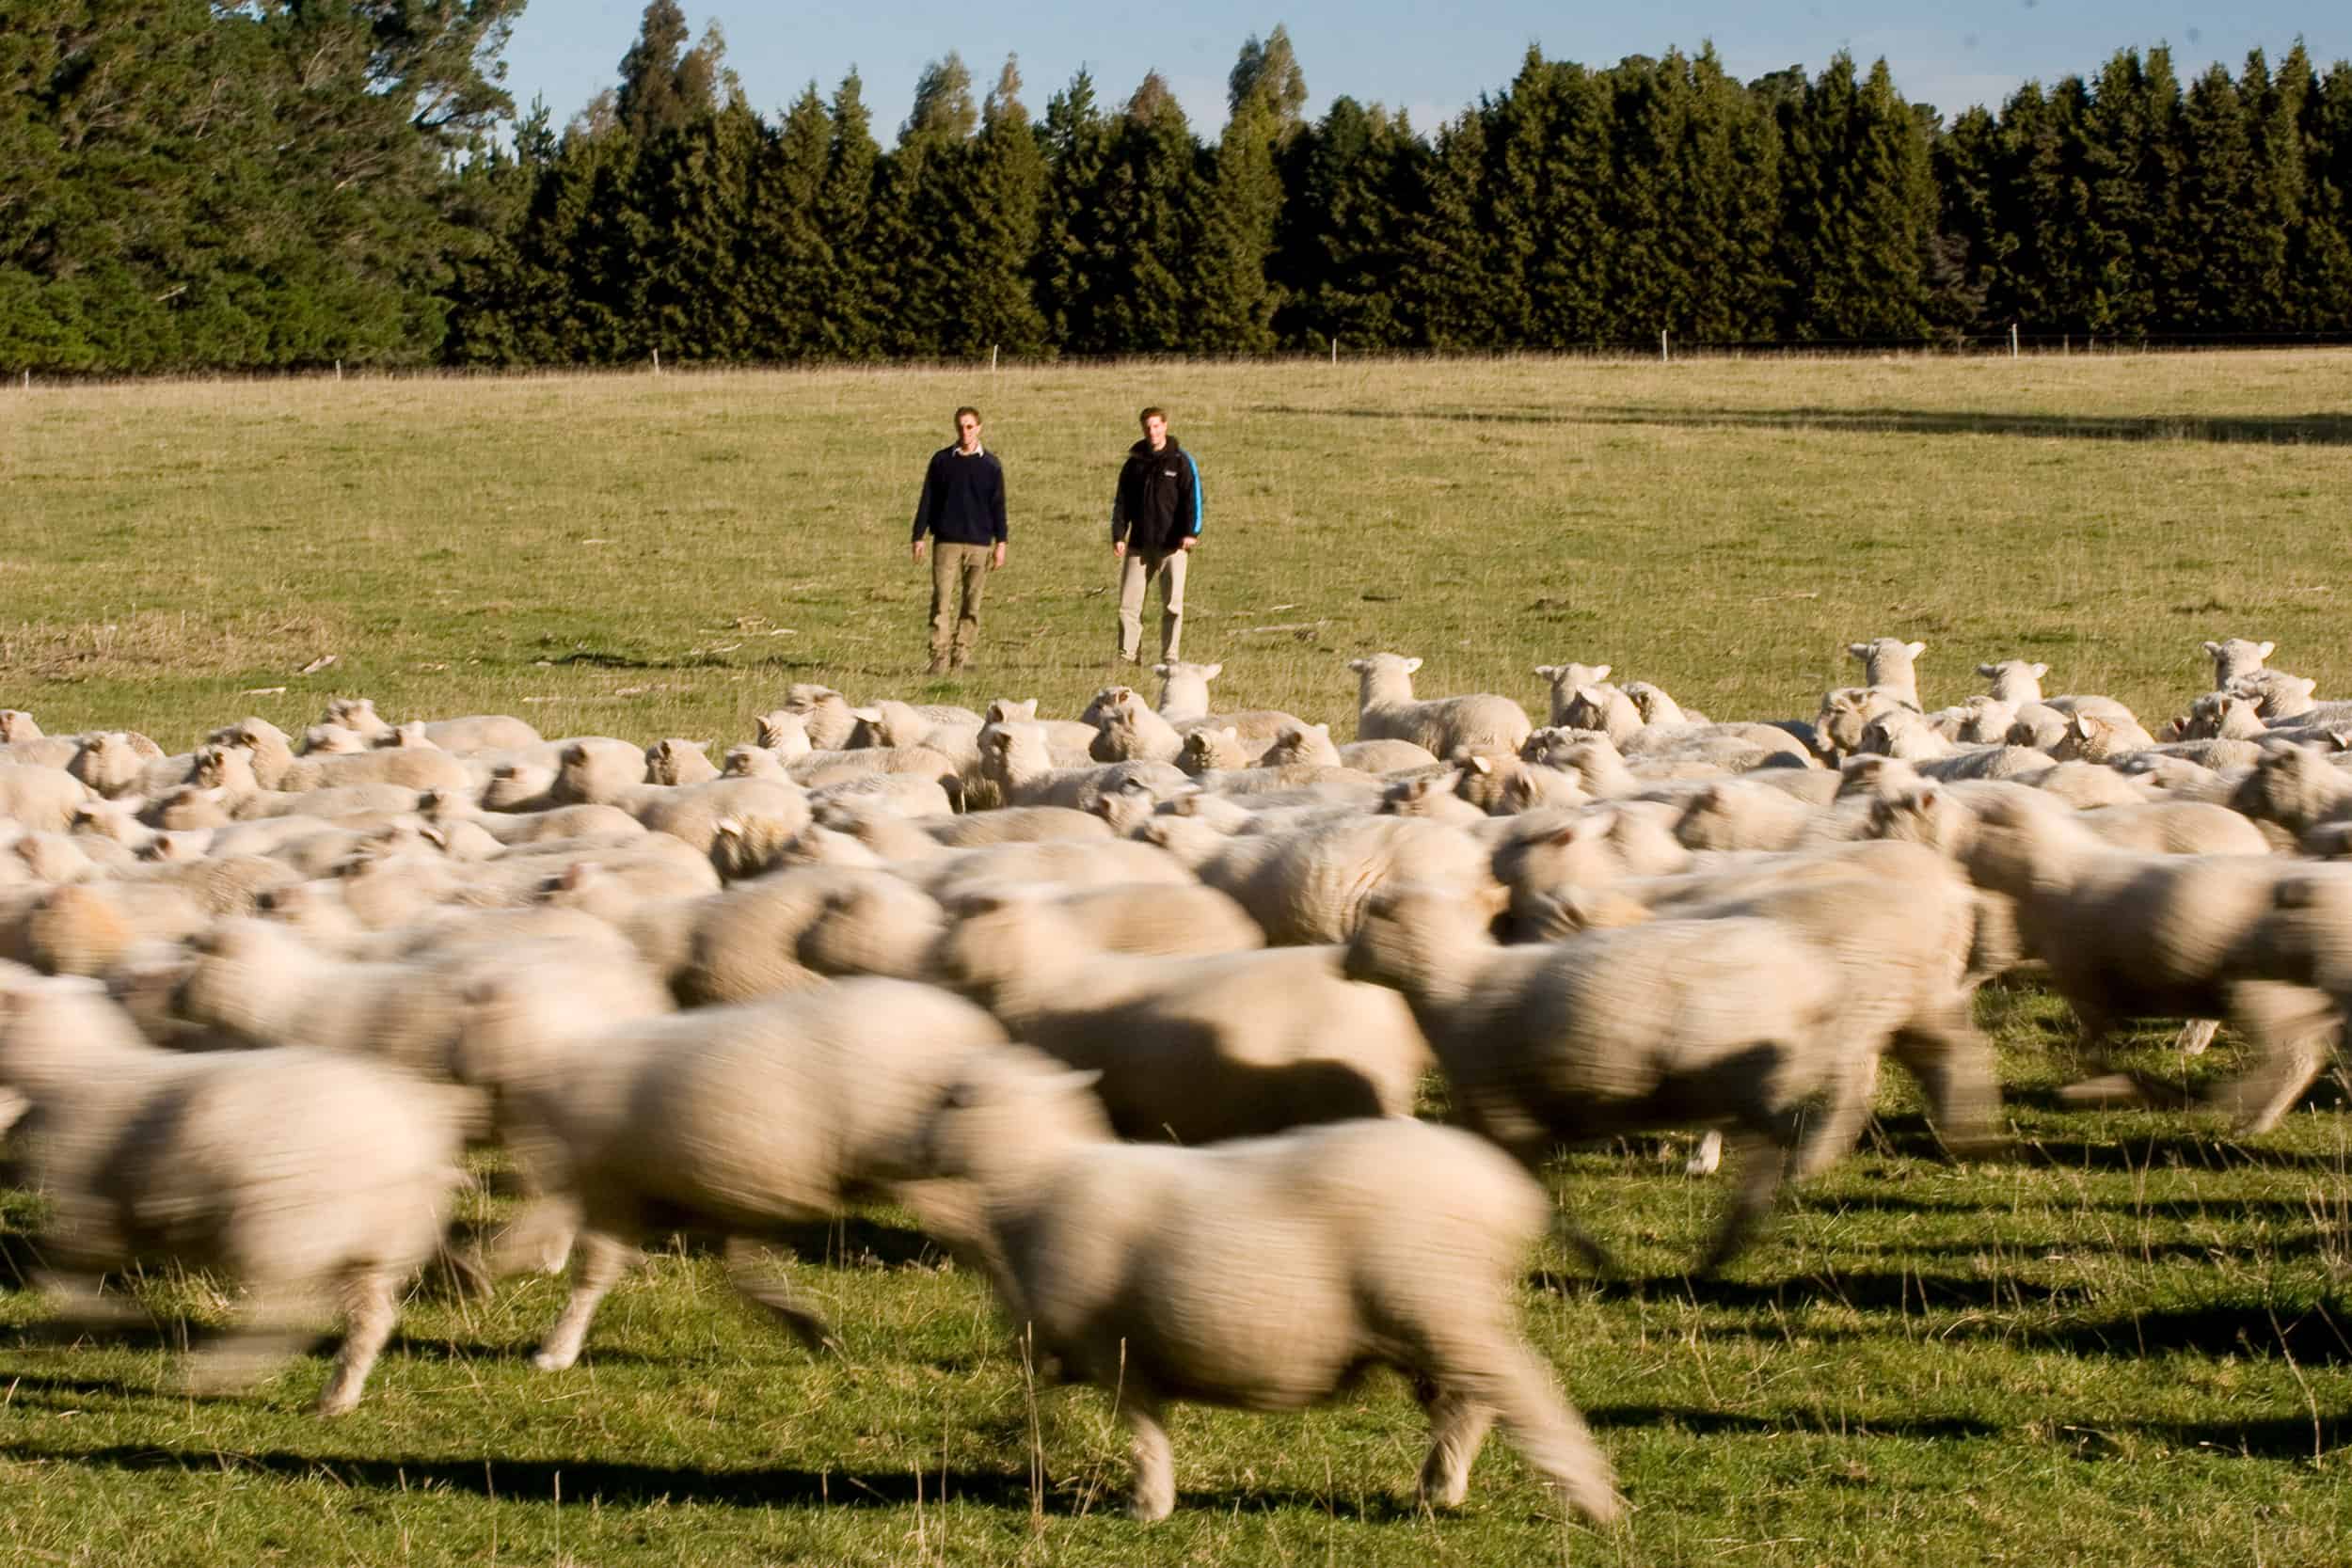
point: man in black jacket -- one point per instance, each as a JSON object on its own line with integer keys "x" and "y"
{"x": 963, "y": 503}
{"x": 1156, "y": 521}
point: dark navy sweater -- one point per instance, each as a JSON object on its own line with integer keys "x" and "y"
{"x": 964, "y": 498}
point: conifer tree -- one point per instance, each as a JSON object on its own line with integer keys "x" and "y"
{"x": 1076, "y": 250}
{"x": 1003, "y": 187}
{"x": 790, "y": 258}
{"x": 846, "y": 310}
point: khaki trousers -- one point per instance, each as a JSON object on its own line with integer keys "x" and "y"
{"x": 1138, "y": 569}
{"x": 949, "y": 564}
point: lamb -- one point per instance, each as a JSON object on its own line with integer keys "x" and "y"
{"x": 1126, "y": 731}
{"x": 1087, "y": 862}
{"x": 736, "y": 1119}
{"x": 1888, "y": 666}
{"x": 2016, "y": 681}
{"x": 1563, "y": 679}
{"x": 1309, "y": 885}
{"x": 1845, "y": 713}
{"x": 2276, "y": 694}
{"x": 2155, "y": 936}
{"x": 1386, "y": 710}
{"x": 789, "y": 931}
{"x": 1196, "y": 1049}
{"x": 1601, "y": 708}
{"x": 579, "y": 824}
{"x": 680, "y": 761}
{"x": 1545, "y": 850}
{"x": 753, "y": 762}
{"x": 1671, "y": 1023}
{"x": 297, "y": 1171}
{"x": 1139, "y": 1270}
{"x": 1219, "y": 749}
{"x": 41, "y": 800}
{"x": 825, "y": 716}
{"x": 2091, "y": 736}
{"x": 332, "y": 740}
{"x": 595, "y": 771}
{"x": 783, "y": 733}
{"x": 255, "y": 980}
{"x": 112, "y": 762}
{"x": 691, "y": 813}
{"x": 1504, "y": 787}
{"x": 1311, "y": 745}
{"x": 1658, "y": 709}
{"x": 1907, "y": 981}
{"x": 2295, "y": 787}
{"x": 2236, "y": 657}
{"x": 2223, "y": 716}
{"x": 1014, "y": 759}
{"x": 1184, "y": 689}
{"x": 1069, "y": 737}
{"x": 1166, "y": 919}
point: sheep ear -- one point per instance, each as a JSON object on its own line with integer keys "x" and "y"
{"x": 1358, "y": 665}
{"x": 2264, "y": 650}
{"x": 1411, "y": 665}
{"x": 433, "y": 836}
{"x": 2211, "y": 646}
{"x": 1859, "y": 650}
{"x": 1230, "y": 732}
{"x": 577, "y": 875}
{"x": 1075, "y": 1083}
{"x": 727, "y": 827}
{"x": 1160, "y": 670}
{"x": 1323, "y": 729}
{"x": 1988, "y": 668}
{"x": 1916, "y": 648}
{"x": 1548, "y": 672}
{"x": 2340, "y": 740}
{"x": 1600, "y": 672}
{"x": 866, "y": 714}
{"x": 1216, "y": 670}
{"x": 1481, "y": 766}
{"x": 2040, "y": 670}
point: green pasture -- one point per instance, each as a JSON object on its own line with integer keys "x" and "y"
{"x": 2127, "y": 1342}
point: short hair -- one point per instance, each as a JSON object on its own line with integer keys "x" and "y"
{"x": 967, "y": 408}
{"x": 1151, "y": 414}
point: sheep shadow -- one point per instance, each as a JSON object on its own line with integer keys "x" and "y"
{"x": 1709, "y": 1423}
{"x": 2311, "y": 1338}
{"x": 584, "y": 1482}
{"x": 2167, "y": 1153}
{"x": 1862, "y": 1291}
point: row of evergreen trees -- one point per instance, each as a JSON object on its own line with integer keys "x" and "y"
{"x": 303, "y": 181}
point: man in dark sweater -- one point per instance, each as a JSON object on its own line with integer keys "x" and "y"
{"x": 1156, "y": 521}
{"x": 963, "y": 503}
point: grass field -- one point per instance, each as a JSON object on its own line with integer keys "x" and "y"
{"x": 2128, "y": 1344}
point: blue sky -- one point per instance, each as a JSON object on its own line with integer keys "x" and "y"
{"x": 1429, "y": 58}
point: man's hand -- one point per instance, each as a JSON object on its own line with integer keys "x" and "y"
{"x": 1118, "y": 548}
{"x": 1185, "y": 542}
{"x": 919, "y": 550}
{"x": 997, "y": 557}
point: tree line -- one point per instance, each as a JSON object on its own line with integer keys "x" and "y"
{"x": 289, "y": 183}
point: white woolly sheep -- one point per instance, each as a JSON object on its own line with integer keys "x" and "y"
{"x": 1195, "y": 1049}
{"x": 1141, "y": 1271}
{"x": 1887, "y": 664}
{"x": 296, "y": 1171}
{"x": 2236, "y": 657}
{"x": 1386, "y": 710}
{"x": 736, "y": 1119}
{"x": 1669, "y": 1023}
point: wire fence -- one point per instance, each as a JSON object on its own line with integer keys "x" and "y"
{"x": 1665, "y": 348}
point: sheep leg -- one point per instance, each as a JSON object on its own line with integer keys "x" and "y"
{"x": 771, "y": 1290}
{"x": 1953, "y": 1066}
{"x": 2289, "y": 1030}
{"x": 2195, "y": 1036}
{"x": 598, "y": 1260}
{"x": 1495, "y": 1371}
{"x": 1831, "y": 1131}
{"x": 539, "y": 1241}
{"x": 2103, "y": 1087}
{"x": 1457, "y": 1429}
{"x": 1764, "y": 1159}
{"x": 1708, "y": 1156}
{"x": 1155, "y": 1495}
{"x": 273, "y": 1331}
{"x": 371, "y": 1307}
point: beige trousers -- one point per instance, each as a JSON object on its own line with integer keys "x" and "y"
{"x": 1137, "y": 570}
{"x": 950, "y": 564}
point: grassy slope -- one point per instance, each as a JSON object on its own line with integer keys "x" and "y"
{"x": 2131, "y": 1338}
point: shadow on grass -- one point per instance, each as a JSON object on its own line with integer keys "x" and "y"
{"x": 2312, "y": 1337}
{"x": 2320, "y": 430}
{"x": 1863, "y": 1290}
{"x": 585, "y": 1482}
{"x": 2168, "y": 1154}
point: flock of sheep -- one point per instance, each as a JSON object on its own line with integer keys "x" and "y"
{"x": 255, "y": 1001}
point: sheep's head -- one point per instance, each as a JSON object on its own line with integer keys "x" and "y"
{"x": 1003, "y": 710}
{"x": 1010, "y": 1103}
{"x": 1566, "y": 677}
{"x": 17, "y": 725}
{"x": 1413, "y": 936}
